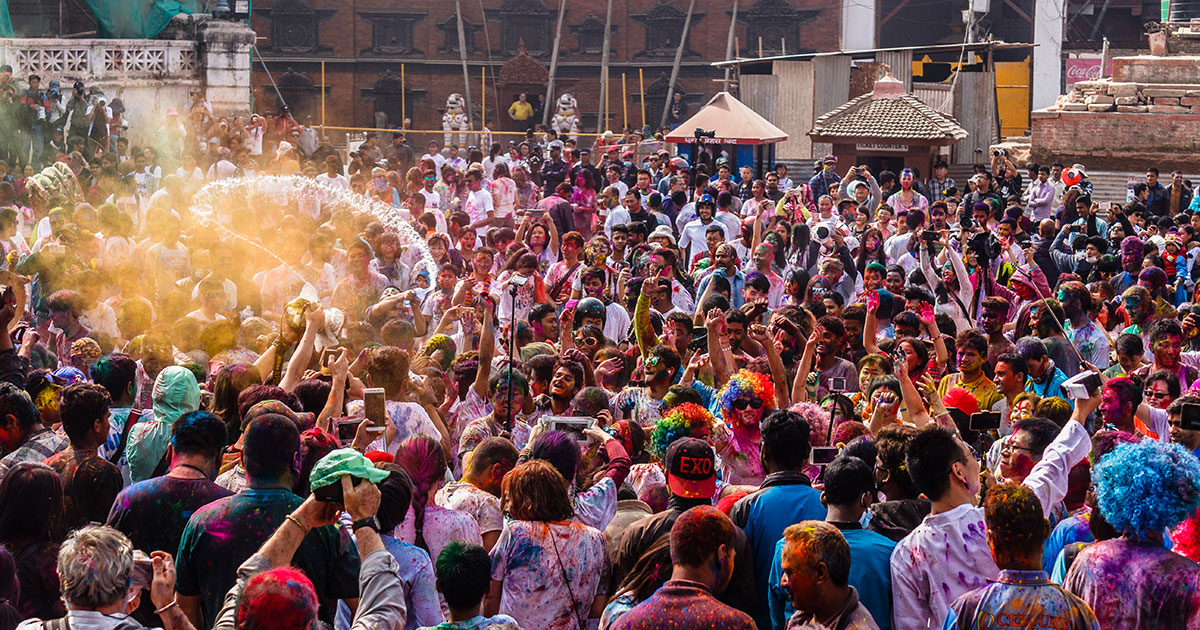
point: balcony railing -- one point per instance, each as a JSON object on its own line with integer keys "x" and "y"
{"x": 99, "y": 59}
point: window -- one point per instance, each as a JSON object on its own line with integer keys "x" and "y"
{"x": 392, "y": 33}
{"x": 449, "y": 30}
{"x": 590, "y": 34}
{"x": 664, "y": 26}
{"x": 527, "y": 21}
{"x": 294, "y": 26}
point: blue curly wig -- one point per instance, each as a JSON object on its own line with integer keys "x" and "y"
{"x": 1148, "y": 486}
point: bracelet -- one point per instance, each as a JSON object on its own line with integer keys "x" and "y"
{"x": 164, "y": 609}
{"x": 297, "y": 522}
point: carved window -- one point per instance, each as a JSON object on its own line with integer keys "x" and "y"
{"x": 528, "y": 21}
{"x": 295, "y": 26}
{"x": 664, "y": 27}
{"x": 590, "y": 35}
{"x": 392, "y": 33}
{"x": 777, "y": 23}
{"x": 449, "y": 30}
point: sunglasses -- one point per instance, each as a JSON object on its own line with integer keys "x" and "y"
{"x": 741, "y": 404}
{"x": 586, "y": 342}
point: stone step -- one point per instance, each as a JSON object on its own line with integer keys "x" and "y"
{"x": 1184, "y": 69}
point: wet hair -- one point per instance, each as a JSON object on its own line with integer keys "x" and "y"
{"x": 535, "y": 491}
{"x": 423, "y": 458}
{"x": 698, "y": 534}
{"x": 785, "y": 439}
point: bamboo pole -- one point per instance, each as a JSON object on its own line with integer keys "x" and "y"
{"x": 604, "y": 68}
{"x": 687, "y": 23}
{"x": 322, "y": 98}
{"x": 462, "y": 54}
{"x": 403, "y": 111}
{"x": 624, "y": 103}
{"x": 482, "y": 98}
{"x": 642, "y": 93}
{"x": 562, "y": 10}
{"x": 729, "y": 45}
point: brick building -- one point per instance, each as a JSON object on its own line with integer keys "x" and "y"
{"x": 364, "y": 42}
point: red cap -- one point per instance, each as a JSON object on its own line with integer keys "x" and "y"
{"x": 960, "y": 399}
{"x": 691, "y": 469}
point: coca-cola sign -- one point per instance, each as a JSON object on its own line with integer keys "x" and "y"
{"x": 1086, "y": 69}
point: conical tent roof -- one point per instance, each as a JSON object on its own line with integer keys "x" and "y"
{"x": 733, "y": 122}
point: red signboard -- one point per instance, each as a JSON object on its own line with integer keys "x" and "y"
{"x": 1086, "y": 69}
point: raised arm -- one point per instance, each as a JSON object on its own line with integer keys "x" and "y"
{"x": 314, "y": 320}
{"x": 869, "y": 342}
{"x": 800, "y": 383}
{"x": 759, "y": 333}
{"x": 715, "y": 324}
{"x": 487, "y": 348}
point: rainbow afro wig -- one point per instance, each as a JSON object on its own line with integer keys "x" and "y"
{"x": 747, "y": 383}
{"x": 688, "y": 420}
{"x": 1147, "y": 487}
{"x": 443, "y": 343}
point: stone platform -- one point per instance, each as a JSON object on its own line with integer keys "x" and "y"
{"x": 1147, "y": 113}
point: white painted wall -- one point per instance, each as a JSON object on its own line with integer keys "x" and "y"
{"x": 1049, "y": 18}
{"x": 858, "y": 24}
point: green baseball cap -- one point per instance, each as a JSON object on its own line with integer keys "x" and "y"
{"x": 344, "y": 461}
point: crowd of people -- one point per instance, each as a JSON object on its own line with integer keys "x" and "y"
{"x": 599, "y": 386}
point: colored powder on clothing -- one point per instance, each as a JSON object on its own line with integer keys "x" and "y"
{"x": 745, "y": 383}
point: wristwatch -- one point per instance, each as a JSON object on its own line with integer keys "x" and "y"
{"x": 370, "y": 521}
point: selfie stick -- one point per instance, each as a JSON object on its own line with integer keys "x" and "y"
{"x": 512, "y": 348}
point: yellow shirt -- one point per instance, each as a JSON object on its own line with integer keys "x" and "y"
{"x": 520, "y": 111}
{"x": 983, "y": 389}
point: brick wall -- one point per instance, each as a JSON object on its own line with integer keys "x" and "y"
{"x": 1116, "y": 140}
{"x": 436, "y": 74}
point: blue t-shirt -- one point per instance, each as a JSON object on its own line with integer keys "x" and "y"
{"x": 785, "y": 498}
{"x": 870, "y": 574}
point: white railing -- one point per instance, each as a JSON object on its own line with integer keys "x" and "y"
{"x": 99, "y": 59}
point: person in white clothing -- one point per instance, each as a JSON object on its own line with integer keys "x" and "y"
{"x": 332, "y": 176}
{"x": 928, "y": 571}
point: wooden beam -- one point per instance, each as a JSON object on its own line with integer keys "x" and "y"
{"x": 1021, "y": 13}
{"x": 891, "y": 14}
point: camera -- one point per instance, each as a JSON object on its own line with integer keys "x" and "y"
{"x": 837, "y": 384}
{"x": 999, "y": 152}
{"x": 985, "y": 421}
{"x": 823, "y": 455}
{"x": 985, "y": 245}
{"x": 823, "y": 232}
{"x": 929, "y": 236}
{"x": 518, "y": 280}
